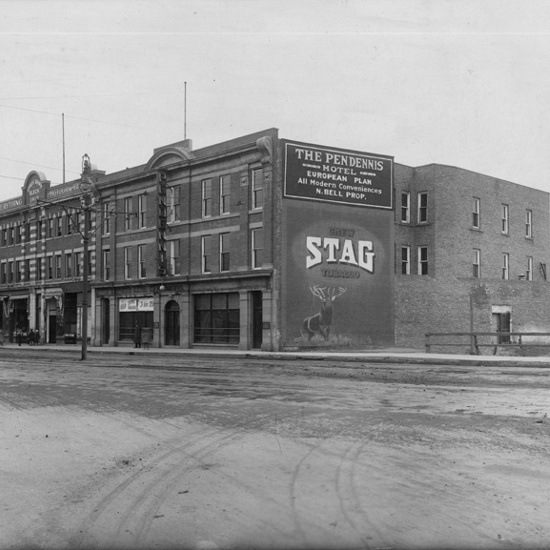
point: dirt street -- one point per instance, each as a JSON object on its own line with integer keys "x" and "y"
{"x": 127, "y": 452}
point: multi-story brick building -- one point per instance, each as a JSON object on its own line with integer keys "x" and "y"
{"x": 471, "y": 252}
{"x": 261, "y": 242}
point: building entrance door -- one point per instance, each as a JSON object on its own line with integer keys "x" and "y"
{"x": 172, "y": 324}
{"x": 502, "y": 323}
{"x": 257, "y": 319}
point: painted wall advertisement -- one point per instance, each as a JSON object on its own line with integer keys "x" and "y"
{"x": 335, "y": 175}
{"x": 338, "y": 275}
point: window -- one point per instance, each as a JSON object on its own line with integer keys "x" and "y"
{"x": 3, "y": 278}
{"x": 78, "y": 264}
{"x": 128, "y": 262}
{"x": 476, "y": 210}
{"x": 106, "y": 214}
{"x": 206, "y": 244}
{"x": 224, "y": 251}
{"x": 529, "y": 272}
{"x": 127, "y": 213}
{"x": 68, "y": 265}
{"x": 78, "y": 220}
{"x": 106, "y": 264}
{"x": 70, "y": 222}
{"x": 257, "y": 188}
{"x": 142, "y": 211}
{"x": 11, "y": 235}
{"x": 529, "y": 224}
{"x": 422, "y": 207}
{"x": 58, "y": 272}
{"x": 27, "y": 270}
{"x": 422, "y": 260}
{"x": 206, "y": 198}
{"x": 217, "y": 318}
{"x": 18, "y": 271}
{"x": 142, "y": 262}
{"x": 505, "y": 266}
{"x": 406, "y": 207}
{"x": 505, "y": 219}
{"x": 257, "y": 248}
{"x": 49, "y": 267}
{"x": 59, "y": 229}
{"x": 4, "y": 236}
{"x": 10, "y": 272}
{"x": 51, "y": 227}
{"x": 405, "y": 260}
{"x": 477, "y": 263}
{"x": 38, "y": 269}
{"x": 174, "y": 257}
{"x": 18, "y": 233}
{"x": 225, "y": 196}
{"x": 174, "y": 211}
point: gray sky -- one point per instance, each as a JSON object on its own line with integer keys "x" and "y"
{"x": 465, "y": 83}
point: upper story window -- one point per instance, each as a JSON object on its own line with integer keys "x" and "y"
{"x": 505, "y": 221}
{"x": 127, "y": 213}
{"x": 476, "y": 212}
{"x": 58, "y": 272}
{"x": 529, "y": 224}
{"x": 506, "y": 266}
{"x": 18, "y": 233}
{"x": 422, "y": 260}
{"x": 406, "y": 207}
{"x": 405, "y": 260}
{"x": 174, "y": 262}
{"x": 529, "y": 272}
{"x": 106, "y": 216}
{"x": 257, "y": 188}
{"x": 225, "y": 251}
{"x": 68, "y": 266}
{"x": 142, "y": 261}
{"x": 38, "y": 269}
{"x": 206, "y": 252}
{"x": 49, "y": 267}
{"x": 225, "y": 194}
{"x": 128, "y": 262}
{"x": 206, "y": 198}
{"x": 59, "y": 228}
{"x": 173, "y": 204}
{"x": 422, "y": 207}
{"x": 257, "y": 239}
{"x": 106, "y": 264}
{"x": 142, "y": 211}
{"x": 51, "y": 227}
{"x": 476, "y": 264}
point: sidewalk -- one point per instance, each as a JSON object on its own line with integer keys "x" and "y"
{"x": 388, "y": 356}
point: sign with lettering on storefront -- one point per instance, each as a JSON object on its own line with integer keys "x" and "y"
{"x": 335, "y": 175}
{"x": 127, "y": 305}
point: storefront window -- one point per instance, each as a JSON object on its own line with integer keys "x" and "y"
{"x": 217, "y": 318}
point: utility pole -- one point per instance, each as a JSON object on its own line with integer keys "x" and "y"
{"x": 86, "y": 201}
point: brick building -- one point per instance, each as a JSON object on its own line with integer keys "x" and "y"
{"x": 469, "y": 247}
{"x": 267, "y": 243}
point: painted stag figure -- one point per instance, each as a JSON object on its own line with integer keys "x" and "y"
{"x": 321, "y": 322}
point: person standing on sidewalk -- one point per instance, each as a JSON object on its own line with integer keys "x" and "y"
{"x": 137, "y": 336}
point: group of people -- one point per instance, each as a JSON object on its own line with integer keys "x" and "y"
{"x": 142, "y": 336}
{"x": 33, "y": 337}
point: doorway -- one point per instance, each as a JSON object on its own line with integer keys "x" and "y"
{"x": 502, "y": 322}
{"x": 257, "y": 319}
{"x": 172, "y": 324}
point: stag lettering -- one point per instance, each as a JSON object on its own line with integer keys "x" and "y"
{"x": 333, "y": 250}
{"x": 321, "y": 322}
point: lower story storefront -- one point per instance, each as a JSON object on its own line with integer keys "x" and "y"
{"x": 232, "y": 313}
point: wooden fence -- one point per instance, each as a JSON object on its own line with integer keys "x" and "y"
{"x": 476, "y": 341}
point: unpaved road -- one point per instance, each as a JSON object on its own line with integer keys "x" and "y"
{"x": 151, "y": 452}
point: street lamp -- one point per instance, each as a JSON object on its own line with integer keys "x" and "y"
{"x": 86, "y": 187}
